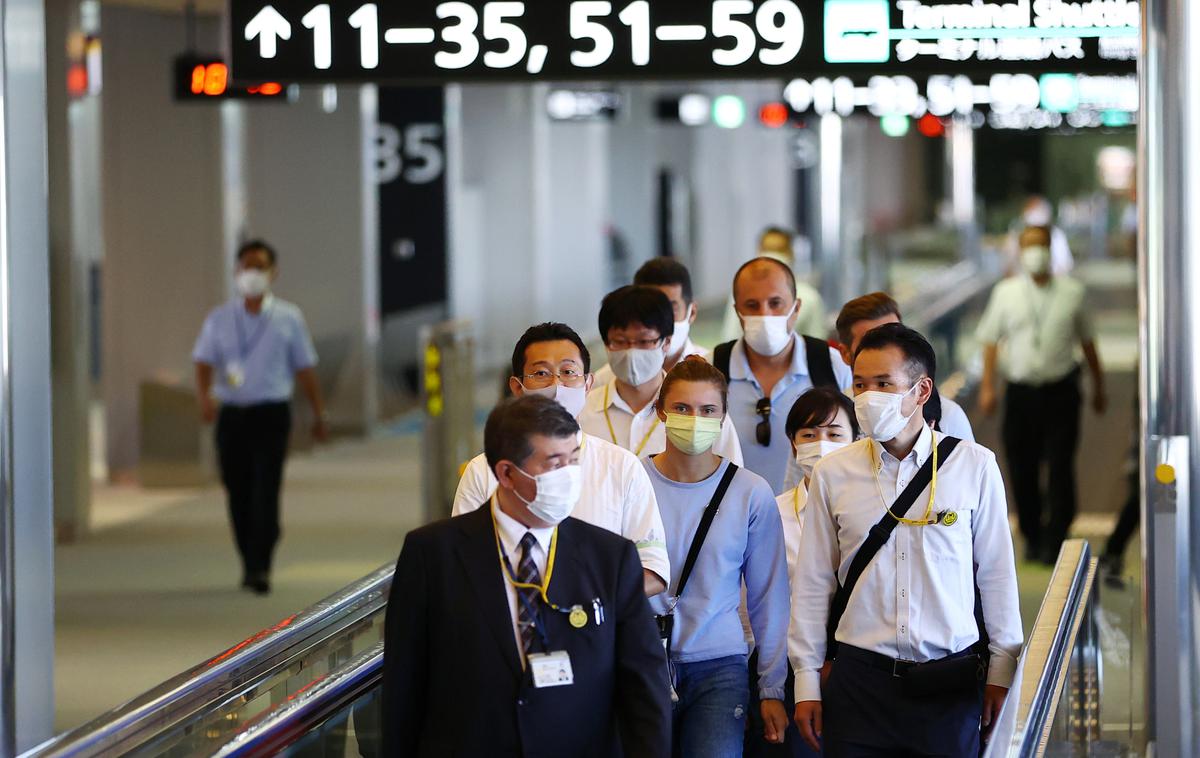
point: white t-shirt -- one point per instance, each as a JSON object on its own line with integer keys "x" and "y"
{"x": 642, "y": 433}
{"x": 617, "y": 496}
{"x": 1038, "y": 328}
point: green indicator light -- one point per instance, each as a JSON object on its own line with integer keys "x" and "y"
{"x": 1060, "y": 92}
{"x": 894, "y": 125}
{"x": 857, "y": 31}
{"x": 729, "y": 112}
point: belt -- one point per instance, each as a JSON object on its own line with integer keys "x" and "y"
{"x": 894, "y": 666}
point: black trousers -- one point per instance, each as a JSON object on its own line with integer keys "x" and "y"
{"x": 252, "y": 444}
{"x": 865, "y": 712}
{"x": 1041, "y": 428}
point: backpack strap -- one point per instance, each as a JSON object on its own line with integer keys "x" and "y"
{"x": 820, "y": 363}
{"x": 721, "y": 355}
{"x": 878, "y": 537}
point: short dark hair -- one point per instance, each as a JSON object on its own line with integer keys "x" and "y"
{"x": 787, "y": 270}
{"x": 866, "y": 308}
{"x": 512, "y": 423}
{"x": 694, "y": 369}
{"x": 664, "y": 272}
{"x": 636, "y": 304}
{"x": 550, "y": 331}
{"x": 818, "y": 406}
{"x": 256, "y": 244}
{"x": 932, "y": 410}
{"x": 918, "y": 353}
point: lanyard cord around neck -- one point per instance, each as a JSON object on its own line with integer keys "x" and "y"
{"x": 612, "y": 433}
{"x": 506, "y": 566}
{"x": 925, "y": 520}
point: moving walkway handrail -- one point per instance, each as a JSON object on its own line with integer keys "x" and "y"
{"x": 128, "y": 725}
{"x": 318, "y": 701}
{"x": 1024, "y": 723}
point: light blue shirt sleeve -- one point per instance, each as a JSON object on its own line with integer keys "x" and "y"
{"x": 206, "y": 350}
{"x": 767, "y": 595}
{"x": 301, "y": 352}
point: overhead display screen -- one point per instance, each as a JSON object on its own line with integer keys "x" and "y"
{"x": 429, "y": 41}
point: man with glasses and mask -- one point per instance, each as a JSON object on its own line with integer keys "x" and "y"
{"x": 517, "y": 629}
{"x": 637, "y": 323}
{"x": 770, "y": 366}
{"x": 551, "y": 360}
{"x": 903, "y": 531}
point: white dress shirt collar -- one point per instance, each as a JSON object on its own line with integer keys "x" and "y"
{"x": 512, "y": 531}
{"x": 919, "y": 453}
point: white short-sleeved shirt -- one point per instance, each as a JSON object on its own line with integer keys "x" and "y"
{"x": 791, "y": 511}
{"x": 642, "y": 433}
{"x": 1039, "y": 328}
{"x": 617, "y": 496}
{"x": 605, "y": 374}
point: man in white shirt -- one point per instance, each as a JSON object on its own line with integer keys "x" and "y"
{"x": 1040, "y": 319}
{"x": 637, "y": 324}
{"x": 914, "y": 603}
{"x": 861, "y": 315}
{"x": 777, "y": 243}
{"x": 670, "y": 277}
{"x": 550, "y": 359}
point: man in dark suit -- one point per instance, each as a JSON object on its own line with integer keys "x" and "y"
{"x": 516, "y": 630}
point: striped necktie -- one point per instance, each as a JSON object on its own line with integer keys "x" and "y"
{"x": 527, "y": 573}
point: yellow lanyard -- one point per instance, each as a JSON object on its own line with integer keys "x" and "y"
{"x": 504, "y": 564}
{"x": 925, "y": 521}
{"x": 796, "y": 500}
{"x": 613, "y": 434}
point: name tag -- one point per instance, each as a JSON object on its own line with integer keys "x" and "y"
{"x": 551, "y": 669}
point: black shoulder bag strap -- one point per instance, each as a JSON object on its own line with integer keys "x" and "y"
{"x": 721, "y": 355}
{"x": 702, "y": 530}
{"x": 820, "y": 364}
{"x": 878, "y": 537}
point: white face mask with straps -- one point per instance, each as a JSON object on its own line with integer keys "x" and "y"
{"x": 879, "y": 413}
{"x": 557, "y": 493}
{"x": 570, "y": 398}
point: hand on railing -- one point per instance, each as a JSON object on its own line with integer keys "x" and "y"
{"x": 993, "y": 700}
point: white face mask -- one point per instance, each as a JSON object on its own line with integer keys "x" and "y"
{"x": 767, "y": 335}
{"x": 879, "y": 413}
{"x": 1036, "y": 260}
{"x": 557, "y": 493}
{"x": 636, "y": 366}
{"x": 683, "y": 330}
{"x": 570, "y": 398}
{"x": 252, "y": 282}
{"x": 808, "y": 453}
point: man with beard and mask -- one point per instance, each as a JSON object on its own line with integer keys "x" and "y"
{"x": 1041, "y": 320}
{"x": 551, "y": 360}
{"x": 250, "y": 353}
{"x": 770, "y": 366}
{"x": 670, "y": 277}
{"x": 530, "y": 624}
{"x": 636, "y": 324}
{"x": 902, "y": 532}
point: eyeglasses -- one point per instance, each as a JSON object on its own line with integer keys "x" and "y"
{"x": 624, "y": 344}
{"x": 762, "y": 432}
{"x": 570, "y": 377}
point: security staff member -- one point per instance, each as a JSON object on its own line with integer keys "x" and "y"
{"x": 249, "y": 352}
{"x": 672, "y": 278}
{"x": 551, "y": 360}
{"x": 861, "y": 315}
{"x": 903, "y": 681}
{"x": 637, "y": 324}
{"x": 1040, "y": 318}
{"x": 516, "y": 630}
{"x": 770, "y": 366}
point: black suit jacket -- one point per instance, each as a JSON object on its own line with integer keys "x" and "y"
{"x": 453, "y": 682}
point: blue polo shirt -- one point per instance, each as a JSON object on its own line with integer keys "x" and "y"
{"x": 771, "y": 462}
{"x": 264, "y": 350}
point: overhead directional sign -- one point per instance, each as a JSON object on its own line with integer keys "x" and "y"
{"x": 432, "y": 41}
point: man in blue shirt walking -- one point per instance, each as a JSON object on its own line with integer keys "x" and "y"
{"x": 249, "y": 355}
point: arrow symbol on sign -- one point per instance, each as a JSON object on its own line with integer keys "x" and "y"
{"x": 268, "y": 25}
